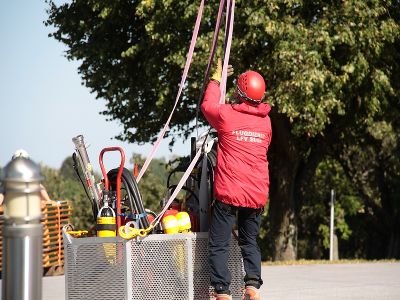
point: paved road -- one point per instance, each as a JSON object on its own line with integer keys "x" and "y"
{"x": 375, "y": 281}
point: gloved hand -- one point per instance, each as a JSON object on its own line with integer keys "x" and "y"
{"x": 218, "y": 71}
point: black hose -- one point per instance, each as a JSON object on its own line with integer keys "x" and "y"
{"x": 135, "y": 202}
{"x": 131, "y": 203}
{"x": 135, "y": 205}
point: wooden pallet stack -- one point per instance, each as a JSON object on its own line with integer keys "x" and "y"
{"x": 55, "y": 216}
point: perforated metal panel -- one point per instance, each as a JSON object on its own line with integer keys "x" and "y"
{"x": 170, "y": 267}
{"x": 201, "y": 269}
{"x": 95, "y": 270}
{"x": 159, "y": 268}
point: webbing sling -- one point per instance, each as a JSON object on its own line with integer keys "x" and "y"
{"x": 230, "y": 8}
{"x": 210, "y": 60}
{"x": 178, "y": 187}
{"x": 143, "y": 233}
{"x": 183, "y": 80}
{"x": 228, "y": 29}
{"x": 205, "y": 80}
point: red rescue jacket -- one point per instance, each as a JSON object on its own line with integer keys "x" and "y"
{"x": 244, "y": 134}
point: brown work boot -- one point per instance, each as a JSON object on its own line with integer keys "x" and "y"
{"x": 223, "y": 297}
{"x": 251, "y": 293}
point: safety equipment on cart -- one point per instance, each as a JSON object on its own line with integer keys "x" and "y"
{"x": 170, "y": 224}
{"x": 129, "y": 231}
{"x": 199, "y": 186}
{"x": 133, "y": 197}
{"x": 250, "y": 87}
{"x": 113, "y": 184}
{"x": 184, "y": 223}
{"x": 87, "y": 170}
{"x": 78, "y": 233}
{"x": 183, "y": 206}
{"x": 69, "y": 229}
{"x": 154, "y": 223}
{"x": 106, "y": 221}
{"x": 106, "y": 227}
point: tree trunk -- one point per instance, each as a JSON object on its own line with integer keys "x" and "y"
{"x": 284, "y": 161}
{"x": 394, "y": 242}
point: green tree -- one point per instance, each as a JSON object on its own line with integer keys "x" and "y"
{"x": 368, "y": 194}
{"x": 332, "y": 70}
{"x": 314, "y": 217}
{"x": 67, "y": 170}
{"x": 61, "y": 186}
{"x": 374, "y": 170}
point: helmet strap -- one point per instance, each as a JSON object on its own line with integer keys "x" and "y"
{"x": 242, "y": 97}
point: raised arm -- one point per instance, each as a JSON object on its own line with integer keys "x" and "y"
{"x": 210, "y": 106}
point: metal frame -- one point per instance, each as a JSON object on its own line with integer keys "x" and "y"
{"x": 153, "y": 263}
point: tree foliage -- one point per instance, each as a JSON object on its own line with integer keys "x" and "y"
{"x": 332, "y": 70}
{"x": 153, "y": 184}
{"x": 62, "y": 185}
{"x": 374, "y": 168}
{"x": 321, "y": 58}
{"x": 314, "y": 216}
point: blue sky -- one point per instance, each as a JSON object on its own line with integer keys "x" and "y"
{"x": 42, "y": 102}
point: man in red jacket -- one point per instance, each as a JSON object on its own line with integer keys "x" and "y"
{"x": 241, "y": 178}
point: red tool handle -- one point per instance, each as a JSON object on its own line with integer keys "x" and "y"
{"x": 119, "y": 176}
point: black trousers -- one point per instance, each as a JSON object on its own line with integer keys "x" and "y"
{"x": 223, "y": 219}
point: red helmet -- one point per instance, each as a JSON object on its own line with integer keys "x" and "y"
{"x": 250, "y": 87}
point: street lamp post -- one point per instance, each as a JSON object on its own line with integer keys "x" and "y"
{"x": 332, "y": 225}
{"x": 22, "y": 231}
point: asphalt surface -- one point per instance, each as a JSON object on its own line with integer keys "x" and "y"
{"x": 378, "y": 281}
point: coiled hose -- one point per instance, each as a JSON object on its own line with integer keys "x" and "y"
{"x": 135, "y": 202}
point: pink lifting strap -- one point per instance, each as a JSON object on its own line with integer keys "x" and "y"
{"x": 186, "y": 69}
{"x": 210, "y": 59}
{"x": 229, "y": 29}
{"x": 178, "y": 188}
